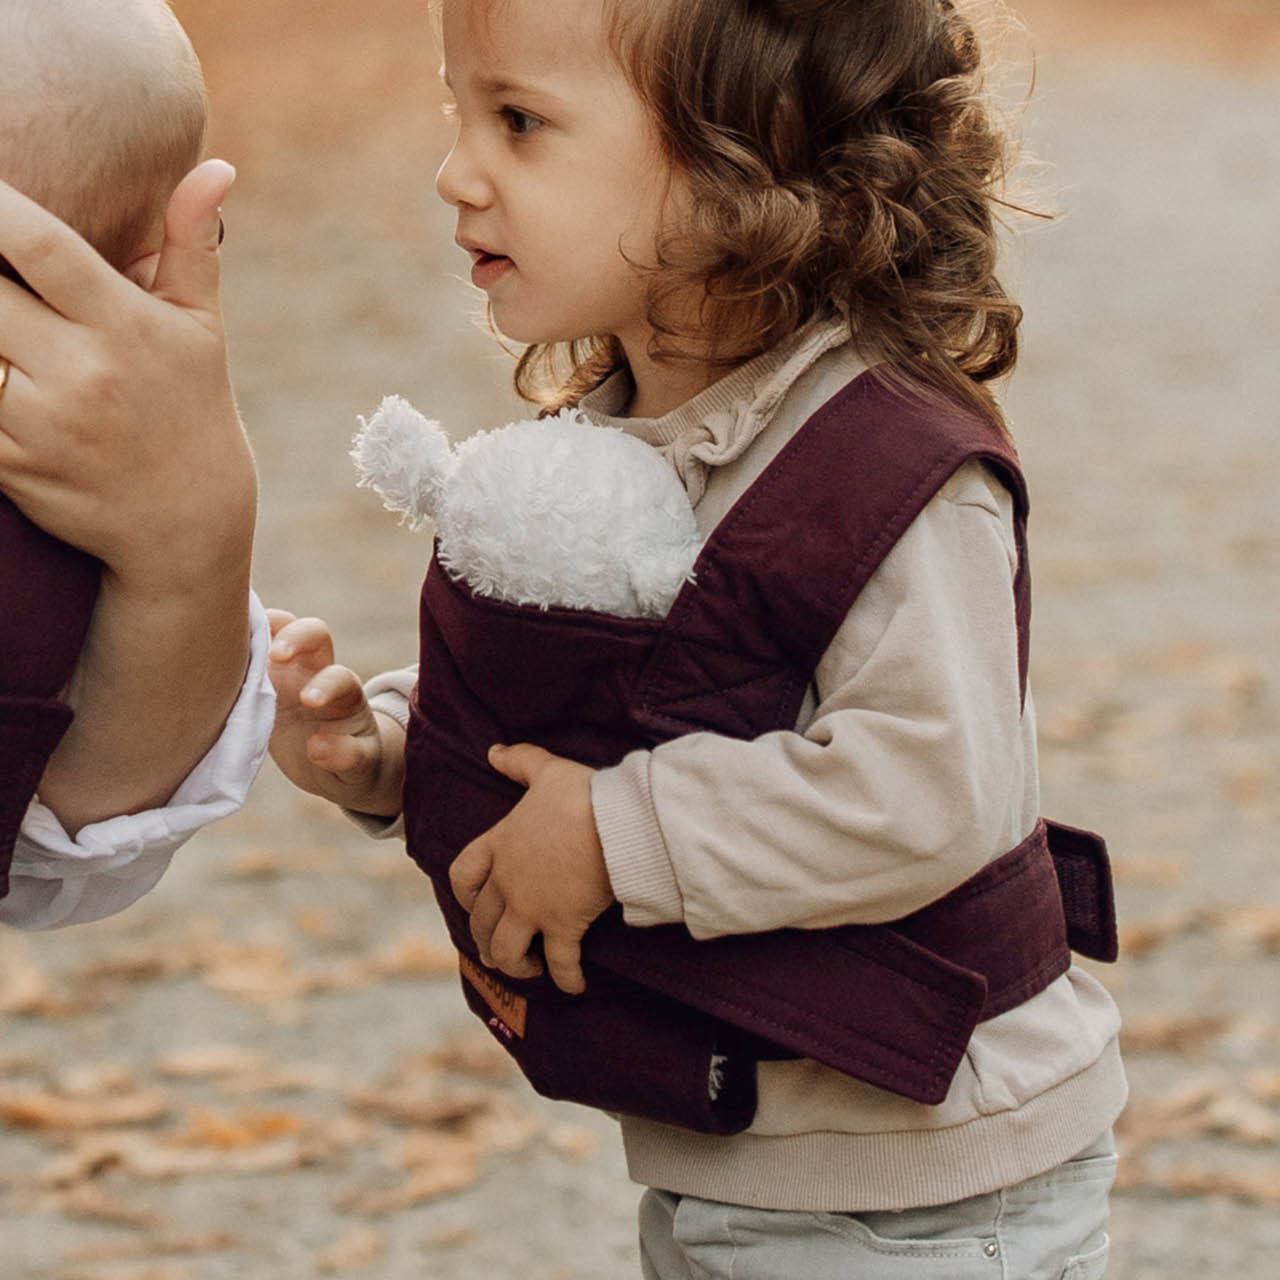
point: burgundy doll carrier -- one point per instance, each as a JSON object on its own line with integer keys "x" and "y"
{"x": 671, "y": 1028}
{"x": 47, "y": 590}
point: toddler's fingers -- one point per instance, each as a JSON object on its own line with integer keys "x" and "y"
{"x": 564, "y": 962}
{"x": 278, "y": 618}
{"x": 470, "y": 872}
{"x": 308, "y": 636}
{"x": 349, "y": 758}
{"x": 509, "y": 947}
{"x": 485, "y": 915}
{"x": 335, "y": 690}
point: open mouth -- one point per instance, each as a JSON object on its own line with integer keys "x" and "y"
{"x": 487, "y": 267}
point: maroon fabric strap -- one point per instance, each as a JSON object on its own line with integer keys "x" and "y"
{"x": 773, "y": 584}
{"x": 47, "y": 593}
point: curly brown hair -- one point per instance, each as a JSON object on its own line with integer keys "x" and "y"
{"x": 844, "y": 159}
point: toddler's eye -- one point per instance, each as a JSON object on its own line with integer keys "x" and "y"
{"x": 519, "y": 122}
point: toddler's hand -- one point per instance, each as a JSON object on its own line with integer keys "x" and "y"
{"x": 327, "y": 739}
{"x": 540, "y": 870}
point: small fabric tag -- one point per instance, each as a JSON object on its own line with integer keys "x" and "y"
{"x": 510, "y": 1009}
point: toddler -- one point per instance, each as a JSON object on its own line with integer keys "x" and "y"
{"x": 102, "y": 112}
{"x": 794, "y": 826}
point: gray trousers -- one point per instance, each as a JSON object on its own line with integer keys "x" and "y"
{"x": 1051, "y": 1227}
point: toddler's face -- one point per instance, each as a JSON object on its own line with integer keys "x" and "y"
{"x": 557, "y": 175}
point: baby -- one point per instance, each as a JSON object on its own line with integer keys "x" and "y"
{"x": 102, "y": 112}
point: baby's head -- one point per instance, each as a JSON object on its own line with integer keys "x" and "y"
{"x": 833, "y": 158}
{"x": 102, "y": 112}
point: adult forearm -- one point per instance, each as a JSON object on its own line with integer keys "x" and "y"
{"x": 159, "y": 672}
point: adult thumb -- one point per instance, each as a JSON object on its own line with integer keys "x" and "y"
{"x": 187, "y": 273}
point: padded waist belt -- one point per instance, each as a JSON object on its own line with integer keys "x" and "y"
{"x": 893, "y": 1005}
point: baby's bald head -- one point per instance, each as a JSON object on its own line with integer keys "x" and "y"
{"x": 102, "y": 111}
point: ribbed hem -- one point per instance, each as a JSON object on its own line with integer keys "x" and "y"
{"x": 862, "y": 1172}
{"x": 635, "y": 853}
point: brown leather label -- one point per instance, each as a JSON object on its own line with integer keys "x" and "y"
{"x": 509, "y": 1009}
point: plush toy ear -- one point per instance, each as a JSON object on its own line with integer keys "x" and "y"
{"x": 405, "y": 459}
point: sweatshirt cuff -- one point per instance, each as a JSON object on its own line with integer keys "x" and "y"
{"x": 635, "y": 853}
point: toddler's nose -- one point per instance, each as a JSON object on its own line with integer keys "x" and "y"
{"x": 460, "y": 182}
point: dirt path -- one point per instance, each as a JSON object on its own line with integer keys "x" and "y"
{"x": 263, "y": 1070}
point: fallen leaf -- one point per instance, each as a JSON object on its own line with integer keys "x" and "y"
{"x": 40, "y": 1109}
{"x": 120, "y": 1250}
{"x": 424, "y": 1106}
{"x": 426, "y": 1182}
{"x": 360, "y": 1247}
{"x": 1170, "y": 1034}
{"x": 1265, "y": 1085}
{"x": 416, "y": 957}
{"x": 574, "y": 1142}
{"x": 209, "y": 1062}
{"x": 90, "y": 1201}
{"x": 207, "y": 1128}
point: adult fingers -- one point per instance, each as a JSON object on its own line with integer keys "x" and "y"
{"x": 519, "y": 763}
{"x": 564, "y": 962}
{"x": 187, "y": 273}
{"x": 57, "y": 263}
{"x": 469, "y": 872}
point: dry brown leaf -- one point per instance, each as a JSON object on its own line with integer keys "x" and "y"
{"x": 24, "y": 986}
{"x": 96, "y": 1080}
{"x": 427, "y": 1182}
{"x": 207, "y": 1128}
{"x": 1244, "y": 1120}
{"x": 1137, "y": 939}
{"x": 504, "y": 1126}
{"x": 423, "y": 1105}
{"x": 1251, "y": 1187}
{"x": 299, "y": 1078}
{"x": 122, "y": 1271}
{"x": 209, "y": 1061}
{"x": 471, "y": 1055}
{"x": 269, "y": 864}
{"x": 447, "y": 1238}
{"x": 151, "y": 1246}
{"x": 40, "y": 1109}
{"x": 1170, "y": 1034}
{"x": 426, "y": 1148}
{"x": 89, "y": 1201}
{"x": 413, "y": 956}
{"x": 574, "y": 1142}
{"x": 360, "y": 1247}
{"x": 1265, "y": 1085}
{"x": 1253, "y": 925}
{"x": 1150, "y": 872}
{"x": 153, "y": 1156}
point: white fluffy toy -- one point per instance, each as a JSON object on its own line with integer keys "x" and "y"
{"x": 552, "y": 511}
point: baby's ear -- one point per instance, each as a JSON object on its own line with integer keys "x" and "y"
{"x": 405, "y": 459}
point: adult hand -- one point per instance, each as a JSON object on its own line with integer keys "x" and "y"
{"x": 119, "y": 434}
{"x": 118, "y": 429}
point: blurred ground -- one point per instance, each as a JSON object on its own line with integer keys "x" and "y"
{"x": 263, "y": 1070}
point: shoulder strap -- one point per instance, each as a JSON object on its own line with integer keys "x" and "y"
{"x": 782, "y": 569}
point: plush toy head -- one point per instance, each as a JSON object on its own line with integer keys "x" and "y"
{"x": 552, "y": 511}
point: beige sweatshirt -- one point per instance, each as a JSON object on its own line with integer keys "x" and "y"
{"x": 912, "y": 765}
